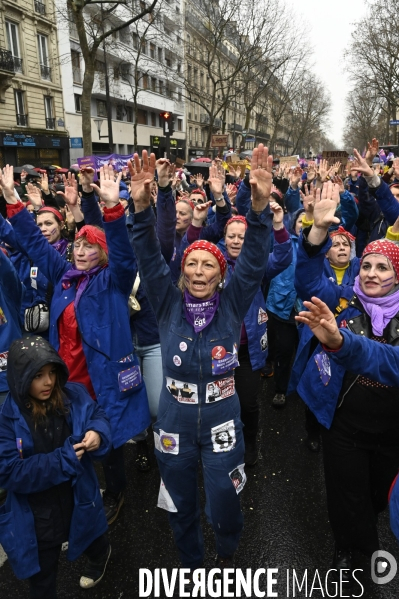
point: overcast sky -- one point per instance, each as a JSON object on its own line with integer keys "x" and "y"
{"x": 329, "y": 27}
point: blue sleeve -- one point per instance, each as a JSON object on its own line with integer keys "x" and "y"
{"x": 121, "y": 258}
{"x": 280, "y": 258}
{"x": 215, "y": 231}
{"x": 49, "y": 261}
{"x": 310, "y": 279}
{"x": 292, "y": 200}
{"x": 243, "y": 199}
{"x": 10, "y": 282}
{"x": 166, "y": 222}
{"x": 368, "y": 207}
{"x": 7, "y": 234}
{"x": 250, "y": 265}
{"x": 349, "y": 210}
{"x": 154, "y": 272}
{"x": 386, "y": 201}
{"x": 91, "y": 210}
{"x": 377, "y": 361}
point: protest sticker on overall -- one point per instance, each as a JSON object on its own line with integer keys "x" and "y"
{"x": 169, "y": 442}
{"x": 218, "y": 390}
{"x": 183, "y": 392}
{"x": 238, "y": 478}
{"x": 165, "y": 501}
{"x": 262, "y": 316}
{"x": 223, "y": 437}
{"x": 324, "y": 366}
{"x": 3, "y": 319}
{"x": 129, "y": 378}
{"x": 222, "y": 360}
{"x": 3, "y": 361}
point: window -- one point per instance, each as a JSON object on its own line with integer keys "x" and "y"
{"x": 141, "y": 117}
{"x": 143, "y": 47}
{"x": 160, "y": 54}
{"x": 180, "y": 124}
{"x": 145, "y": 81}
{"x": 125, "y": 72}
{"x": 22, "y": 118}
{"x": 153, "y": 84}
{"x": 207, "y": 85}
{"x": 190, "y": 135}
{"x": 196, "y": 136}
{"x": 117, "y": 72}
{"x": 135, "y": 41}
{"x": 152, "y": 50}
{"x": 161, "y": 87}
{"x": 45, "y": 70}
{"x": 179, "y": 94}
{"x": 40, "y": 7}
{"x": 129, "y": 115}
{"x": 48, "y": 109}
{"x": 76, "y": 72}
{"x": 13, "y": 45}
{"x": 189, "y": 73}
{"x": 124, "y": 36}
{"x": 195, "y": 82}
{"x": 119, "y": 112}
{"x": 179, "y": 68}
{"x": 201, "y": 81}
{"x": 99, "y": 66}
{"x": 153, "y": 119}
{"x": 101, "y": 108}
{"x": 78, "y": 103}
{"x": 167, "y": 31}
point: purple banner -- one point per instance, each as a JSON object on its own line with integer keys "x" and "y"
{"x": 118, "y": 161}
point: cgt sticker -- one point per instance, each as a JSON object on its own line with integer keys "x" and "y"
{"x": 218, "y": 390}
{"x": 238, "y": 478}
{"x": 223, "y": 437}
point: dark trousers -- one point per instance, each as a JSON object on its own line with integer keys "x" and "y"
{"x": 311, "y": 424}
{"x": 359, "y": 470}
{"x": 247, "y": 386}
{"x": 43, "y": 585}
{"x": 114, "y": 471}
{"x": 283, "y": 341}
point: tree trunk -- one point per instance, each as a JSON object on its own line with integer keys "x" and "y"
{"x": 87, "y": 88}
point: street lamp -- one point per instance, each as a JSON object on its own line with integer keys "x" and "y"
{"x": 99, "y": 123}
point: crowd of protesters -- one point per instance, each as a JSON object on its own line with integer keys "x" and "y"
{"x": 156, "y": 296}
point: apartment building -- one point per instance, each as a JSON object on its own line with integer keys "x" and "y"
{"x": 142, "y": 66}
{"x": 32, "y": 126}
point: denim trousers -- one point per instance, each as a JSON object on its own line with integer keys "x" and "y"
{"x": 150, "y": 359}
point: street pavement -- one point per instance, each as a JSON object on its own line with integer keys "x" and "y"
{"x": 286, "y": 524}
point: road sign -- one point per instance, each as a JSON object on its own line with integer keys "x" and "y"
{"x": 394, "y": 122}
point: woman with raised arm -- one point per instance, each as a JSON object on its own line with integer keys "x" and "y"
{"x": 199, "y": 327}
{"x": 351, "y": 384}
{"x": 89, "y": 319}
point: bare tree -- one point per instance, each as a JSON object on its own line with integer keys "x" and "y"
{"x": 374, "y": 55}
{"x": 94, "y": 26}
{"x": 364, "y": 118}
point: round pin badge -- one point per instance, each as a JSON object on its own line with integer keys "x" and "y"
{"x": 218, "y": 352}
{"x": 183, "y": 346}
{"x": 177, "y": 360}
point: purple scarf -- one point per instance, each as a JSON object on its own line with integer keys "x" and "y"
{"x": 199, "y": 312}
{"x": 60, "y": 245}
{"x": 380, "y": 309}
{"x": 82, "y": 279}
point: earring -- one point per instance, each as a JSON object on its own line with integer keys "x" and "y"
{"x": 220, "y": 285}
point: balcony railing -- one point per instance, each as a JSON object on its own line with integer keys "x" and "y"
{"x": 40, "y": 7}
{"x": 22, "y": 120}
{"x": 77, "y": 75}
{"x": 235, "y": 126}
{"x": 6, "y": 61}
{"x": 45, "y": 72}
{"x": 50, "y": 123}
{"x": 17, "y": 64}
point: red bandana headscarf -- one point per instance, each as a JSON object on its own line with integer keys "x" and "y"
{"x": 238, "y": 219}
{"x": 344, "y": 232}
{"x": 386, "y": 248}
{"x": 207, "y": 246}
{"x": 93, "y": 235}
{"x": 56, "y": 212}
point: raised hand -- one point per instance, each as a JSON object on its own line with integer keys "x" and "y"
{"x": 322, "y": 322}
{"x": 296, "y": 175}
{"x": 372, "y": 151}
{"x": 109, "y": 190}
{"x": 325, "y": 206}
{"x": 7, "y": 184}
{"x": 70, "y": 194}
{"x": 35, "y": 195}
{"x": 361, "y": 165}
{"x": 323, "y": 170}
{"x": 199, "y": 213}
{"x": 278, "y": 215}
{"x": 217, "y": 177}
{"x": 338, "y": 181}
{"x": 199, "y": 181}
{"x": 231, "y": 191}
{"x": 308, "y": 200}
{"x": 395, "y": 166}
{"x": 141, "y": 177}
{"x": 43, "y": 182}
{"x": 261, "y": 177}
{"x": 86, "y": 178}
{"x": 334, "y": 169}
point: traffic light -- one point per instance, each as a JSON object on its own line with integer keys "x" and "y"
{"x": 168, "y": 122}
